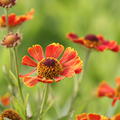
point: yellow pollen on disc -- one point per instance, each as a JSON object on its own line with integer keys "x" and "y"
{"x": 49, "y": 68}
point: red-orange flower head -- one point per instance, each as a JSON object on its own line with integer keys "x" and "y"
{"x": 50, "y": 68}
{"x": 96, "y": 42}
{"x": 5, "y": 99}
{"x": 14, "y": 20}
{"x": 93, "y": 116}
{"x": 7, "y": 3}
{"x": 10, "y": 114}
{"x": 104, "y": 90}
{"x": 11, "y": 40}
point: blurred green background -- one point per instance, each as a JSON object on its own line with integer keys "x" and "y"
{"x": 53, "y": 19}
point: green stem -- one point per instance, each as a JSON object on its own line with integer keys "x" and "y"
{"x": 77, "y": 84}
{"x": 17, "y": 73}
{"x": 111, "y": 110}
{"x": 44, "y": 96}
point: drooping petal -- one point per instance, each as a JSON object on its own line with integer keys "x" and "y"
{"x": 68, "y": 55}
{"x": 36, "y": 52}
{"x": 54, "y": 50}
{"x": 30, "y": 81}
{"x": 23, "y": 18}
{"x": 72, "y": 36}
{"x": 94, "y": 117}
{"x": 115, "y": 99}
{"x": 105, "y": 90}
{"x": 26, "y": 60}
{"x": 28, "y": 74}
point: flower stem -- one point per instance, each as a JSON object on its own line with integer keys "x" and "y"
{"x": 44, "y": 96}
{"x": 17, "y": 73}
{"x": 111, "y": 110}
{"x": 77, "y": 84}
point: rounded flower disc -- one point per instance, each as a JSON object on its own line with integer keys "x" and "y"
{"x": 50, "y": 67}
{"x": 7, "y": 3}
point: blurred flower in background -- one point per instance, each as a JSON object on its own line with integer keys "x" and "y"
{"x": 14, "y": 20}
{"x": 98, "y": 42}
{"x": 5, "y": 99}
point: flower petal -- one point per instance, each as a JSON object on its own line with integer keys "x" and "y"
{"x": 115, "y": 99}
{"x": 26, "y": 60}
{"x": 82, "y": 116}
{"x": 54, "y": 50}
{"x": 68, "y": 55}
{"x": 36, "y": 52}
{"x": 116, "y": 117}
{"x": 94, "y": 117}
{"x": 105, "y": 90}
{"x": 30, "y": 81}
{"x": 5, "y": 100}
{"x": 28, "y": 74}
{"x": 72, "y": 36}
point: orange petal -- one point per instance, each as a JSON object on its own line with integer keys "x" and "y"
{"x": 117, "y": 81}
{"x": 115, "y": 99}
{"x": 5, "y": 100}
{"x": 105, "y": 90}
{"x": 36, "y": 52}
{"x": 94, "y": 117}
{"x": 116, "y": 117}
{"x": 72, "y": 36}
{"x": 26, "y": 60}
{"x": 11, "y": 19}
{"x": 68, "y": 55}
{"x": 30, "y": 73}
{"x": 54, "y": 50}
{"x": 82, "y": 116}
{"x": 30, "y": 81}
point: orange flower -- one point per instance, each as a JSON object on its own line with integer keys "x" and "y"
{"x": 11, "y": 40}
{"x": 5, "y": 99}
{"x": 14, "y": 20}
{"x": 96, "y": 42}
{"x": 50, "y": 68}
{"x": 93, "y": 116}
{"x": 104, "y": 90}
{"x": 7, "y": 3}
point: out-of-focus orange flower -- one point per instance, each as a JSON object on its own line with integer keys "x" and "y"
{"x": 14, "y": 20}
{"x": 7, "y": 3}
{"x": 11, "y": 40}
{"x": 49, "y": 68}
{"x": 104, "y": 90}
{"x": 93, "y": 116}
{"x": 96, "y": 42}
{"x": 5, "y": 99}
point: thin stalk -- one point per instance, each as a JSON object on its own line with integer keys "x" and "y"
{"x": 77, "y": 84}
{"x": 44, "y": 96}
{"x": 7, "y": 20}
{"x": 111, "y": 110}
{"x": 17, "y": 73}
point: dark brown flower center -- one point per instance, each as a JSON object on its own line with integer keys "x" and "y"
{"x": 49, "y": 68}
{"x": 91, "y": 37}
